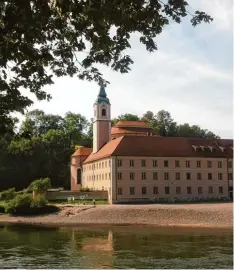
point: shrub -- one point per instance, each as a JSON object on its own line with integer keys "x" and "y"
{"x": 8, "y": 194}
{"x": 40, "y": 185}
{"x": 38, "y": 201}
{"x": 21, "y": 203}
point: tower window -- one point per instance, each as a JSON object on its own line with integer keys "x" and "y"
{"x": 78, "y": 178}
{"x": 103, "y": 112}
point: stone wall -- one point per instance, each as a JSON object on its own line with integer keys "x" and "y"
{"x": 78, "y": 195}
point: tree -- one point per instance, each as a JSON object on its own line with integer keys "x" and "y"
{"x": 52, "y": 34}
{"x": 165, "y": 124}
{"x": 125, "y": 117}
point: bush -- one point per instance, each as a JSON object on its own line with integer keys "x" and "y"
{"x": 8, "y": 194}
{"x": 40, "y": 185}
{"x": 39, "y": 201}
{"x": 20, "y": 203}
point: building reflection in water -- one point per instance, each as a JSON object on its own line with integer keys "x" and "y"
{"x": 97, "y": 249}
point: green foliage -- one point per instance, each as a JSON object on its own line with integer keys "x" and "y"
{"x": 51, "y": 35}
{"x": 19, "y": 203}
{"x": 8, "y": 194}
{"x": 40, "y": 185}
{"x": 38, "y": 201}
{"x": 24, "y": 204}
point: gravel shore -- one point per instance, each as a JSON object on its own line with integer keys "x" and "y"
{"x": 219, "y": 215}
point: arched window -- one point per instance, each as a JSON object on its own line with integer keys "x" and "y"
{"x": 78, "y": 177}
{"x": 103, "y": 112}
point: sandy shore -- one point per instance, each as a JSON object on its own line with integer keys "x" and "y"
{"x": 218, "y": 215}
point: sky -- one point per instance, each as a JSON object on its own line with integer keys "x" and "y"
{"x": 190, "y": 75}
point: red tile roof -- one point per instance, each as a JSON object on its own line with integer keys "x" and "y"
{"x": 147, "y": 146}
{"x": 139, "y": 124}
{"x": 131, "y": 130}
{"x": 83, "y": 151}
{"x": 106, "y": 151}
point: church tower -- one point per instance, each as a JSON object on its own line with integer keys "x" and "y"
{"x": 101, "y": 121}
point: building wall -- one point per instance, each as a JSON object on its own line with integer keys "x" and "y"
{"x": 76, "y": 162}
{"x": 155, "y": 189}
{"x": 97, "y": 175}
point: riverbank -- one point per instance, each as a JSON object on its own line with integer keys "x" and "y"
{"x": 213, "y": 215}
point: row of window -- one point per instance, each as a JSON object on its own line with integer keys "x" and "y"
{"x": 104, "y": 176}
{"x": 177, "y": 176}
{"x": 99, "y": 165}
{"x": 177, "y": 163}
{"x": 167, "y": 190}
{"x": 104, "y": 164}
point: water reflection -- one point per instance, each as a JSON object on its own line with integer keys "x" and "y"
{"x": 115, "y": 247}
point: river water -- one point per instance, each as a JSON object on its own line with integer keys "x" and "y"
{"x": 115, "y": 247}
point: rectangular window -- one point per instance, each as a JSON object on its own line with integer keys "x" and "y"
{"x": 79, "y": 176}
{"x": 109, "y": 163}
{"x": 178, "y": 190}
{"x": 209, "y": 176}
{"x": 155, "y": 163}
{"x": 177, "y": 163}
{"x": 220, "y": 176}
{"x": 199, "y": 190}
{"x": 106, "y": 176}
{"x": 167, "y": 190}
{"x": 220, "y": 190}
{"x": 187, "y": 164}
{"x": 155, "y": 190}
{"x": 230, "y": 176}
{"x": 209, "y": 164}
{"x": 120, "y": 191}
{"x": 198, "y": 164}
{"x": 210, "y": 190}
{"x": 199, "y": 176}
{"x": 143, "y": 163}
{"x": 189, "y": 190}
{"x": 229, "y": 164}
{"x": 155, "y": 176}
{"x": 132, "y": 190}
{"x": 143, "y": 176}
{"x": 109, "y": 176}
{"x": 166, "y": 176}
{"x": 177, "y": 176}
{"x": 188, "y": 176}
{"x": 119, "y": 162}
{"x": 119, "y": 176}
{"x": 132, "y": 175}
{"x": 131, "y": 163}
{"x": 105, "y": 164}
{"x": 220, "y": 165}
{"x": 165, "y": 163}
{"x": 143, "y": 190}
{"x": 102, "y": 164}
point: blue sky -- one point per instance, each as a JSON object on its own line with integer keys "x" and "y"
{"x": 190, "y": 76}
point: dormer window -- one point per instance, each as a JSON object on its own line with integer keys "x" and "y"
{"x": 202, "y": 147}
{"x": 211, "y": 148}
{"x": 222, "y": 148}
{"x": 103, "y": 112}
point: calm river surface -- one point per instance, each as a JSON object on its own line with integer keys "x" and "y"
{"x": 115, "y": 247}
